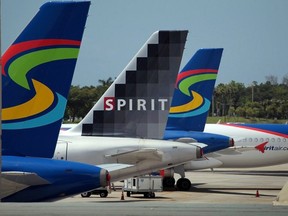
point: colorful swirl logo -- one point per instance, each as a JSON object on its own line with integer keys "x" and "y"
{"x": 197, "y": 103}
{"x": 17, "y": 61}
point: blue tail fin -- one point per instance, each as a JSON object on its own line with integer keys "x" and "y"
{"x": 193, "y": 92}
{"x": 37, "y": 71}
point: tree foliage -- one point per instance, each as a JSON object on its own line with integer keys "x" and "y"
{"x": 265, "y": 100}
{"x": 81, "y": 99}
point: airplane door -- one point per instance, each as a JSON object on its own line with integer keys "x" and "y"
{"x": 61, "y": 150}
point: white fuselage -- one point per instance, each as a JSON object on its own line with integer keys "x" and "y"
{"x": 100, "y": 150}
{"x": 274, "y": 152}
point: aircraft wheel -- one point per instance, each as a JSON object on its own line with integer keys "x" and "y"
{"x": 104, "y": 194}
{"x": 146, "y": 195}
{"x": 128, "y": 193}
{"x": 86, "y": 194}
{"x": 168, "y": 182}
{"x": 183, "y": 184}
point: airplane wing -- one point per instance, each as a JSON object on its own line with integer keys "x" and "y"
{"x": 139, "y": 155}
{"x": 132, "y": 161}
{"x": 12, "y": 182}
{"x": 244, "y": 148}
{"x": 191, "y": 141}
{"x": 235, "y": 150}
{"x": 114, "y": 166}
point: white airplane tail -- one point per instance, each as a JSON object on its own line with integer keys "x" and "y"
{"x": 137, "y": 103}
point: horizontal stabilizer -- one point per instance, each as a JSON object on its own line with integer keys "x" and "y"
{"x": 115, "y": 166}
{"x": 191, "y": 141}
{"x": 236, "y": 150}
{"x": 200, "y": 145}
{"x": 30, "y": 179}
{"x": 186, "y": 140}
{"x": 243, "y": 148}
{"x": 12, "y": 182}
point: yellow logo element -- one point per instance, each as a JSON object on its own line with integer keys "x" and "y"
{"x": 42, "y": 100}
{"x": 196, "y": 102}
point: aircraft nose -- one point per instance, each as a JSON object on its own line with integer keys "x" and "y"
{"x": 104, "y": 178}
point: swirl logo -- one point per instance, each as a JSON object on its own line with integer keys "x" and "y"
{"x": 197, "y": 104}
{"x": 21, "y": 58}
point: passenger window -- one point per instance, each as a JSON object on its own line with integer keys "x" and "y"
{"x": 261, "y": 140}
{"x": 273, "y": 139}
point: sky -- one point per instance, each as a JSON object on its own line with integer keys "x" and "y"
{"x": 253, "y": 33}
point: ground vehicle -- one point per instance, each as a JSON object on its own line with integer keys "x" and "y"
{"x": 103, "y": 192}
{"x": 146, "y": 185}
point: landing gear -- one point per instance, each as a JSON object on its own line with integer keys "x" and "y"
{"x": 149, "y": 195}
{"x": 103, "y": 194}
{"x": 183, "y": 184}
{"x": 168, "y": 182}
{"x": 86, "y": 194}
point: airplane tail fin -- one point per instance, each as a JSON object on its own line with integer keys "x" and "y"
{"x": 37, "y": 71}
{"x": 193, "y": 91}
{"x": 137, "y": 103}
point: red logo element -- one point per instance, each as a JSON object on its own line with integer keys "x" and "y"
{"x": 261, "y": 147}
{"x": 109, "y": 103}
{"x": 15, "y": 49}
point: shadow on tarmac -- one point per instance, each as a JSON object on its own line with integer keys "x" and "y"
{"x": 258, "y": 173}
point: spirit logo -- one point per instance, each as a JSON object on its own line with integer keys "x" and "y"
{"x": 112, "y": 103}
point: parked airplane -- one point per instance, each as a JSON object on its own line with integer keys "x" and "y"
{"x": 34, "y": 98}
{"x": 198, "y": 77}
{"x": 189, "y": 110}
{"x": 109, "y": 134}
{"x": 192, "y": 99}
{"x": 255, "y": 145}
{"x": 31, "y": 179}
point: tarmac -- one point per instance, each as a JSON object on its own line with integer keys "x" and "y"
{"x": 219, "y": 192}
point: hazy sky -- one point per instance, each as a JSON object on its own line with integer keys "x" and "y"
{"x": 253, "y": 33}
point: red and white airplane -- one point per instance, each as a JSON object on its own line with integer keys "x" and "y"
{"x": 255, "y": 145}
